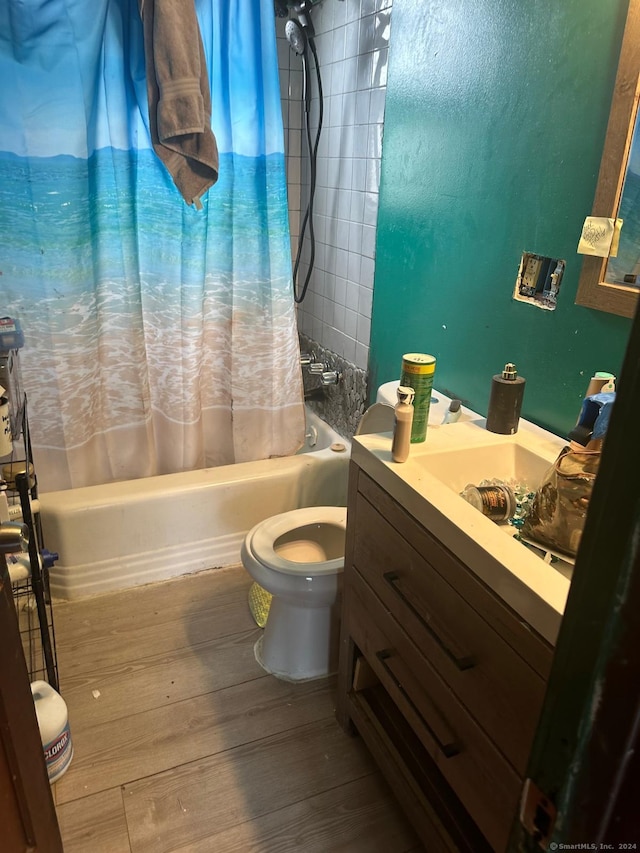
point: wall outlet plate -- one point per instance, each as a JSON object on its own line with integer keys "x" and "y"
{"x": 538, "y": 280}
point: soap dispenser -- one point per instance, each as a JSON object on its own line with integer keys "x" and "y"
{"x": 505, "y": 401}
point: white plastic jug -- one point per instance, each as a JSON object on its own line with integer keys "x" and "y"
{"x": 53, "y": 722}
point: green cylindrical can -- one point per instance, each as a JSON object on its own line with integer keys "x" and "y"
{"x": 417, "y": 372}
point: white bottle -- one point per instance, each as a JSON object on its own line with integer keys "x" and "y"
{"x": 53, "y": 722}
{"x": 402, "y": 425}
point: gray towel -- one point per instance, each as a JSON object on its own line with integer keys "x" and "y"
{"x": 179, "y": 97}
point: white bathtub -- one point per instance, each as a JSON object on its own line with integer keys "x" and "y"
{"x": 136, "y": 532}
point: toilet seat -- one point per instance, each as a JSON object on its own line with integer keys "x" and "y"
{"x": 263, "y": 537}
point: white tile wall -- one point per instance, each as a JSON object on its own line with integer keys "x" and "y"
{"x": 352, "y": 39}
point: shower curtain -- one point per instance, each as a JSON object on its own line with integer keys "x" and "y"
{"x": 158, "y": 338}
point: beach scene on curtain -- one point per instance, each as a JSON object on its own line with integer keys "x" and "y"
{"x": 158, "y": 338}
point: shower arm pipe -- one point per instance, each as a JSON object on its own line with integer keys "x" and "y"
{"x": 313, "y": 150}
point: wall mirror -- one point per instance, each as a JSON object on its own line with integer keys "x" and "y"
{"x": 613, "y": 284}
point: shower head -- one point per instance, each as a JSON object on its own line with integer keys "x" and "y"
{"x": 296, "y": 37}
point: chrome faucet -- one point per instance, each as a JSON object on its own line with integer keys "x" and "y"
{"x": 320, "y": 368}
{"x": 330, "y": 377}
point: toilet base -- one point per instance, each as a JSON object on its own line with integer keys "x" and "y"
{"x": 313, "y": 653}
{"x": 257, "y": 653}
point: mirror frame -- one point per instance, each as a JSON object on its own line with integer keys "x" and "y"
{"x": 593, "y": 291}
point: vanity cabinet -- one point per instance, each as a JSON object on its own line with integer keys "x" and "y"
{"x": 443, "y": 681}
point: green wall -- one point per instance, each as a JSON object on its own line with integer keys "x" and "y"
{"x": 495, "y": 121}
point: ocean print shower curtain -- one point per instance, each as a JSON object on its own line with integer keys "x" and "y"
{"x": 158, "y": 338}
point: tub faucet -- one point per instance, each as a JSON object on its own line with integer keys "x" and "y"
{"x": 327, "y": 376}
{"x": 319, "y": 368}
{"x": 330, "y": 377}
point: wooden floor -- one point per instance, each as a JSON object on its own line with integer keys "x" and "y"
{"x": 183, "y": 743}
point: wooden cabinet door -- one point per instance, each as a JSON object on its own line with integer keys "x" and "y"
{"x": 28, "y": 814}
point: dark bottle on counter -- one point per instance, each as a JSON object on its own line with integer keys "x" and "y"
{"x": 505, "y": 401}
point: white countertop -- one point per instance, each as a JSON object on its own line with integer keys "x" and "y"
{"x": 534, "y": 589}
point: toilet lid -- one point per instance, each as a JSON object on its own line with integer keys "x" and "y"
{"x": 261, "y": 540}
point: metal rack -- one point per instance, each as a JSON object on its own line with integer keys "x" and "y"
{"x": 31, "y": 594}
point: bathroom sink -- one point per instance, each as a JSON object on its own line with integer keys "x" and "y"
{"x": 522, "y": 468}
{"x": 508, "y": 461}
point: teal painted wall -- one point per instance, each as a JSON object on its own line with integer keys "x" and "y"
{"x": 495, "y": 121}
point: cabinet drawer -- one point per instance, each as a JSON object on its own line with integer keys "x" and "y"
{"x": 420, "y": 589}
{"x": 484, "y": 781}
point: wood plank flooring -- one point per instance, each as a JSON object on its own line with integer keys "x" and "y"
{"x": 183, "y": 743}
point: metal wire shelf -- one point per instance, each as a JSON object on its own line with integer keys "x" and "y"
{"x": 30, "y": 572}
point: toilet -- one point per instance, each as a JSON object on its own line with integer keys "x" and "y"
{"x": 298, "y": 558}
{"x": 296, "y": 561}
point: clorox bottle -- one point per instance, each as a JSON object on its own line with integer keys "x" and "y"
{"x": 53, "y": 722}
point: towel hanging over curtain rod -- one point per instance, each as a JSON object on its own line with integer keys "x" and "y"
{"x": 179, "y": 96}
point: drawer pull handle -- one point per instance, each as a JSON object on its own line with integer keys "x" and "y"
{"x": 447, "y": 749}
{"x": 462, "y": 663}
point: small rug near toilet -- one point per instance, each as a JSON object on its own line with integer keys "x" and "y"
{"x": 259, "y": 604}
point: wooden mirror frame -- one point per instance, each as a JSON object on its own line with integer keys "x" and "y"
{"x": 593, "y": 291}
